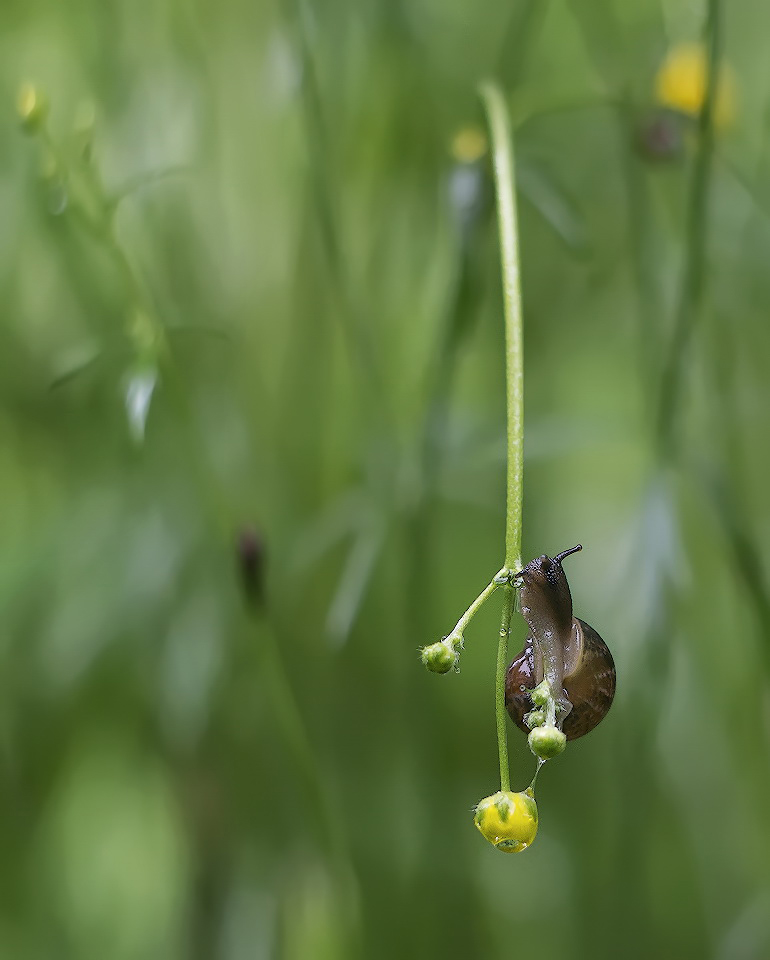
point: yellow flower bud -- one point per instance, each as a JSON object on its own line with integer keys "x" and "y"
{"x": 32, "y": 108}
{"x": 680, "y": 84}
{"x": 508, "y": 820}
{"x": 468, "y": 145}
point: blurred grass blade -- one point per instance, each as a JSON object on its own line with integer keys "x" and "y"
{"x": 74, "y": 362}
{"x": 138, "y": 396}
{"x": 554, "y": 205}
{"x": 148, "y": 179}
{"x": 353, "y": 584}
{"x": 342, "y": 518}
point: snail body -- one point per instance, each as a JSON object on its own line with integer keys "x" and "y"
{"x": 560, "y": 648}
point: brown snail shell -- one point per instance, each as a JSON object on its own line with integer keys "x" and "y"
{"x": 590, "y": 688}
{"x": 566, "y": 650}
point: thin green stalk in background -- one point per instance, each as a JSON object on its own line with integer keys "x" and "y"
{"x": 519, "y": 39}
{"x": 364, "y": 362}
{"x": 640, "y": 768}
{"x": 694, "y": 273}
{"x": 502, "y": 158}
{"x": 725, "y": 478}
{"x": 643, "y": 248}
{"x": 295, "y": 733}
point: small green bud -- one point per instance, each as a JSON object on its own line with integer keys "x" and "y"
{"x": 541, "y": 694}
{"x": 32, "y": 108}
{"x": 547, "y": 742}
{"x": 440, "y": 657}
{"x": 535, "y": 718}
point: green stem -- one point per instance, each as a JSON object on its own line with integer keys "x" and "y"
{"x": 479, "y": 602}
{"x": 519, "y": 39}
{"x": 295, "y": 733}
{"x": 502, "y": 153}
{"x": 694, "y": 273}
{"x": 94, "y": 211}
{"x": 643, "y": 246}
{"x": 324, "y": 197}
{"x": 500, "y": 711}
{"x": 502, "y": 156}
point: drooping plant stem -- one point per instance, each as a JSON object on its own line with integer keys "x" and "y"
{"x": 478, "y": 603}
{"x": 500, "y": 712}
{"x": 502, "y": 158}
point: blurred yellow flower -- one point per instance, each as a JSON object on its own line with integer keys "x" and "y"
{"x": 468, "y": 145}
{"x": 32, "y": 107}
{"x": 680, "y": 84}
{"x": 508, "y": 820}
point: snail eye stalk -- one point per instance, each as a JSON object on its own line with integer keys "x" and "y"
{"x": 565, "y": 553}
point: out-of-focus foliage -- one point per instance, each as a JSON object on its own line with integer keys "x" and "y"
{"x": 188, "y": 772}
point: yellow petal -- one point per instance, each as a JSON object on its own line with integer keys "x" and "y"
{"x": 508, "y": 820}
{"x": 680, "y": 84}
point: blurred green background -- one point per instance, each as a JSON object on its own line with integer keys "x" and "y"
{"x": 301, "y": 278}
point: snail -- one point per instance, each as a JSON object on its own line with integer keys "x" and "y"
{"x": 560, "y": 648}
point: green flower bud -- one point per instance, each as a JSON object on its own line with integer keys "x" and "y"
{"x": 547, "y": 742}
{"x": 32, "y": 108}
{"x": 508, "y": 820}
{"x": 541, "y": 694}
{"x": 440, "y": 657}
{"x": 535, "y": 718}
